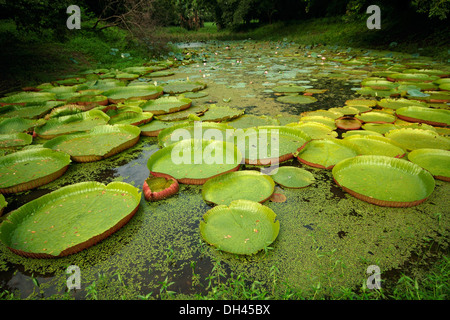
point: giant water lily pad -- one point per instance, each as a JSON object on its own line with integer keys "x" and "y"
{"x": 375, "y": 145}
{"x": 16, "y": 125}
{"x": 243, "y": 227}
{"x": 326, "y": 153}
{"x": 238, "y": 185}
{"x": 266, "y": 145}
{"x": 412, "y": 139}
{"x": 435, "y": 117}
{"x": 140, "y": 92}
{"x": 195, "y": 161}
{"x": 400, "y": 103}
{"x": 194, "y": 130}
{"x": 29, "y": 169}
{"x": 419, "y": 77}
{"x": 29, "y": 111}
{"x": 84, "y": 121}
{"x": 133, "y": 118}
{"x": 250, "y": 120}
{"x": 436, "y": 161}
{"x": 183, "y": 114}
{"x": 15, "y": 140}
{"x": 69, "y": 219}
{"x": 289, "y": 89}
{"x": 166, "y": 105}
{"x": 376, "y": 117}
{"x": 218, "y": 114}
{"x": 384, "y": 181}
{"x": 297, "y": 99}
{"x": 178, "y": 87}
{"x": 28, "y": 97}
{"x": 293, "y": 177}
{"x": 154, "y": 127}
{"x": 315, "y": 130}
{"x": 99, "y": 143}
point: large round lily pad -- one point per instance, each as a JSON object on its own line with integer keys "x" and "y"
{"x": 243, "y": 227}
{"x": 29, "y": 169}
{"x": 15, "y": 140}
{"x": 178, "y": 87}
{"x": 166, "y": 105}
{"x": 297, "y": 99}
{"x": 435, "y": 117}
{"x": 376, "y": 117}
{"x": 194, "y": 130}
{"x": 138, "y": 92}
{"x": 84, "y": 121}
{"x": 326, "y": 153}
{"x": 194, "y": 161}
{"x": 375, "y": 145}
{"x": 436, "y": 161}
{"x": 218, "y": 114}
{"x": 384, "y": 181}
{"x": 97, "y": 144}
{"x": 293, "y": 177}
{"x": 238, "y": 185}
{"x": 412, "y": 139}
{"x": 28, "y": 97}
{"x": 266, "y": 145}
{"x": 70, "y": 219}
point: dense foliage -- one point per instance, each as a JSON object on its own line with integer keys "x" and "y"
{"x": 43, "y": 14}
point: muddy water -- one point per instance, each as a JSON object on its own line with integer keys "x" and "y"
{"x": 326, "y": 235}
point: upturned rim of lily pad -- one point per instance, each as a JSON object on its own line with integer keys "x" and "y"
{"x": 417, "y": 155}
{"x": 61, "y": 160}
{"x": 35, "y": 208}
{"x": 389, "y": 164}
{"x": 163, "y": 194}
{"x": 105, "y": 130}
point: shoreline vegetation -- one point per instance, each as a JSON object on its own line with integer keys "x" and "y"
{"x": 34, "y": 58}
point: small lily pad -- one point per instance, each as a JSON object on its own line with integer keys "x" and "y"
{"x": 238, "y": 185}
{"x": 158, "y": 188}
{"x": 293, "y": 177}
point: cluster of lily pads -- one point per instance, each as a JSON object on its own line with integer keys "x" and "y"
{"x": 387, "y": 152}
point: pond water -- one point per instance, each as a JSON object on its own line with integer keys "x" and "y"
{"x": 326, "y": 235}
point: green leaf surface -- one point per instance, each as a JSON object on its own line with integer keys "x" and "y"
{"x": 243, "y": 227}
{"x": 238, "y": 185}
